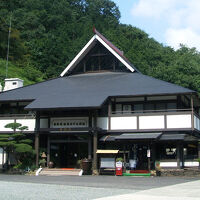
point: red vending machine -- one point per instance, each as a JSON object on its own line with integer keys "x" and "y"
{"x": 119, "y": 169}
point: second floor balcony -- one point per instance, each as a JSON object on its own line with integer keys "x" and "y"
{"x": 150, "y": 120}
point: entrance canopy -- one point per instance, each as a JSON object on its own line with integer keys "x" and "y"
{"x": 180, "y": 137}
{"x": 131, "y": 136}
{"x": 148, "y": 136}
{"x": 138, "y": 136}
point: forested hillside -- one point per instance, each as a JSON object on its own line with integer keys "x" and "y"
{"x": 47, "y": 34}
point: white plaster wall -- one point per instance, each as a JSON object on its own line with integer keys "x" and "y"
{"x": 9, "y": 83}
{"x": 168, "y": 164}
{"x": 27, "y": 122}
{"x": 43, "y": 123}
{"x": 191, "y": 164}
{"x": 102, "y": 122}
{"x": 151, "y": 122}
{"x": 3, "y": 122}
{"x": 174, "y": 164}
{"x": 118, "y": 123}
{"x": 196, "y": 123}
{"x": 179, "y": 121}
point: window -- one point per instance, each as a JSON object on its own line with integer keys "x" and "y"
{"x": 127, "y": 108}
{"x": 160, "y": 106}
{"x": 14, "y": 83}
{"x": 171, "y": 106}
{"x": 118, "y": 108}
{"x": 138, "y": 108}
{"x": 149, "y": 107}
{"x": 97, "y": 59}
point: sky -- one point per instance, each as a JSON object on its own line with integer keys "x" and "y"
{"x": 170, "y": 22}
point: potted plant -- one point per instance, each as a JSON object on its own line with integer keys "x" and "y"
{"x": 50, "y": 164}
{"x": 42, "y": 162}
{"x": 86, "y": 165}
{"x": 158, "y": 168}
{"x": 79, "y": 164}
{"x": 120, "y": 159}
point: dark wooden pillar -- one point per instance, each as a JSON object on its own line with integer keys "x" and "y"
{"x": 48, "y": 150}
{"x": 37, "y": 127}
{"x": 153, "y": 155}
{"x": 182, "y": 155}
{"x": 179, "y": 155}
{"x": 199, "y": 149}
{"x": 95, "y": 172}
{"x": 95, "y": 144}
{"x": 192, "y": 108}
{"x": 109, "y": 114}
{"x": 37, "y": 149}
{"x": 3, "y": 158}
{"x": 124, "y": 153}
{"x": 89, "y": 147}
{"x": 90, "y": 137}
{"x": 149, "y": 157}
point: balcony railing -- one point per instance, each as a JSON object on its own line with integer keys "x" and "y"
{"x": 149, "y": 111}
{"x": 150, "y": 120}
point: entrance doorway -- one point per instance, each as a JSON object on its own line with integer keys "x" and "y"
{"x": 66, "y": 155}
{"x": 142, "y": 160}
{"x": 136, "y": 158}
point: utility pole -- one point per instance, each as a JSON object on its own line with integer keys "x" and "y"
{"x": 8, "y": 48}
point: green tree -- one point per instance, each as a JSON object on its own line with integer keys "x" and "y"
{"x": 18, "y": 144}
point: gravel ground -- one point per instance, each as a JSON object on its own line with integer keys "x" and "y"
{"x": 135, "y": 183}
{"x": 19, "y": 187}
{"x": 35, "y": 191}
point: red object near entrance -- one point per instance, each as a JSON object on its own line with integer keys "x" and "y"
{"x": 118, "y": 169}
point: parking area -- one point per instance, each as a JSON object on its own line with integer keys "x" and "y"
{"x": 86, "y": 187}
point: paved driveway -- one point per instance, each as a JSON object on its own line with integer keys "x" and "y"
{"x": 184, "y": 191}
{"x": 18, "y": 187}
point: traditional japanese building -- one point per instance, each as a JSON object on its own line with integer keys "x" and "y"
{"x": 101, "y": 101}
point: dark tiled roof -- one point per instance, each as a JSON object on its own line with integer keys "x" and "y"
{"x": 90, "y": 90}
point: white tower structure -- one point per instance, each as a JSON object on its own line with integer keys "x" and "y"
{"x": 13, "y": 83}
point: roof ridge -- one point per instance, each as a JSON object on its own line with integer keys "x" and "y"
{"x": 121, "y": 53}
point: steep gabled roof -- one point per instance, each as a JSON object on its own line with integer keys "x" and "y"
{"x": 107, "y": 44}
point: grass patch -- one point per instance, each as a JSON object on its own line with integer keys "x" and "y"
{"x": 29, "y": 74}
